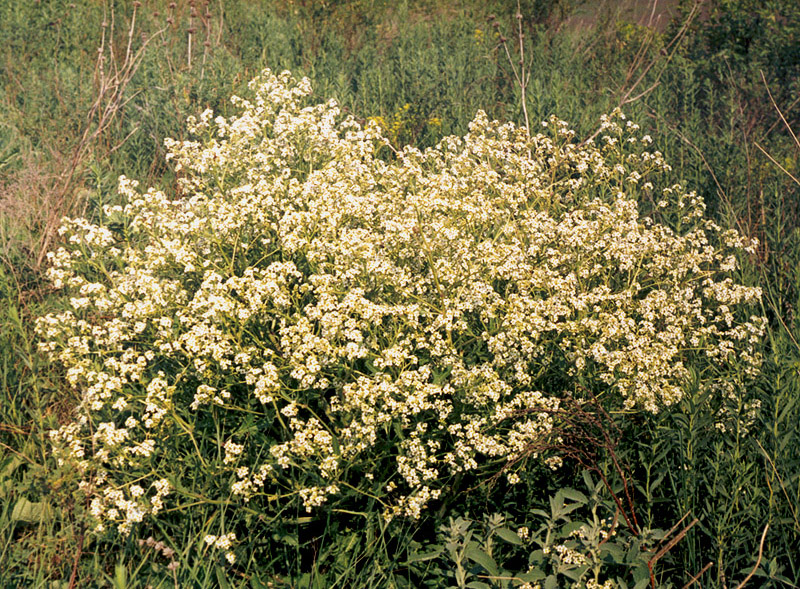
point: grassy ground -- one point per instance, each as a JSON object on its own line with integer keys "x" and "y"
{"x": 87, "y": 93}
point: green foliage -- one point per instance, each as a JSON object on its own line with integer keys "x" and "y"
{"x": 310, "y": 327}
{"x": 580, "y": 541}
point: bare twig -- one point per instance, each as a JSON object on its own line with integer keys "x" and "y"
{"x": 582, "y": 433}
{"x": 694, "y": 579}
{"x": 668, "y": 546}
{"x": 763, "y": 79}
{"x": 774, "y": 161}
{"x": 758, "y": 560}
{"x": 190, "y": 30}
{"x": 525, "y": 79}
{"x": 112, "y": 78}
{"x": 677, "y": 525}
{"x": 788, "y": 109}
{"x": 625, "y": 94}
{"x": 73, "y": 578}
{"x": 520, "y": 75}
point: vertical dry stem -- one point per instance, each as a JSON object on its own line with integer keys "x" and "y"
{"x": 111, "y": 82}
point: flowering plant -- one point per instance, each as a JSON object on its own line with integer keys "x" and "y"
{"x": 317, "y": 318}
{"x": 577, "y": 543}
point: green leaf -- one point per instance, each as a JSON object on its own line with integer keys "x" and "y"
{"x": 574, "y": 495}
{"x": 478, "y": 585}
{"x": 221, "y": 578}
{"x": 286, "y": 538}
{"x": 612, "y": 553}
{"x": 477, "y": 555}
{"x": 587, "y": 480}
{"x": 568, "y": 508}
{"x": 28, "y": 511}
{"x": 120, "y": 576}
{"x": 557, "y": 504}
{"x": 8, "y": 466}
{"x": 551, "y": 582}
{"x": 509, "y": 536}
{"x": 423, "y": 556}
{"x": 576, "y": 573}
{"x": 641, "y": 573}
{"x": 535, "y": 574}
{"x": 570, "y": 527}
{"x": 536, "y": 556}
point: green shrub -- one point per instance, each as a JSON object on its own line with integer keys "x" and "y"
{"x": 317, "y": 323}
{"x": 580, "y": 542}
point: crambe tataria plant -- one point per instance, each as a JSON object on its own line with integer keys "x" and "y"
{"x": 312, "y": 318}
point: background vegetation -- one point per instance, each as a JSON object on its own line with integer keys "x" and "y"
{"x": 89, "y": 90}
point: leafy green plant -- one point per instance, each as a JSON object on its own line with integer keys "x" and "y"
{"x": 317, "y": 329}
{"x": 578, "y": 542}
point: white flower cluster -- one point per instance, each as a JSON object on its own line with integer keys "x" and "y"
{"x": 224, "y": 542}
{"x": 125, "y": 507}
{"x": 417, "y": 315}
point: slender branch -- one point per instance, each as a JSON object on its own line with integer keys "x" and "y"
{"x": 788, "y": 126}
{"x": 524, "y": 83}
{"x": 694, "y": 579}
{"x": 625, "y": 94}
{"x": 774, "y": 161}
{"x": 758, "y": 560}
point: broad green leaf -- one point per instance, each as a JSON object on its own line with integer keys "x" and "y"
{"x": 612, "y": 553}
{"x": 557, "y": 504}
{"x": 8, "y": 466}
{"x": 551, "y": 582}
{"x": 535, "y": 574}
{"x": 289, "y": 539}
{"x": 478, "y": 585}
{"x": 576, "y": 573}
{"x": 221, "y": 578}
{"x": 477, "y": 555}
{"x": 574, "y": 495}
{"x": 641, "y": 573}
{"x": 509, "y": 536}
{"x": 28, "y": 511}
{"x": 571, "y": 527}
{"x": 569, "y": 508}
{"x": 588, "y": 481}
{"x": 537, "y": 556}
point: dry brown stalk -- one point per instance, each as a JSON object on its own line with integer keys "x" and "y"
{"x": 627, "y": 89}
{"x": 758, "y": 560}
{"x": 113, "y": 74}
{"x": 694, "y": 579}
{"x": 669, "y": 546}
